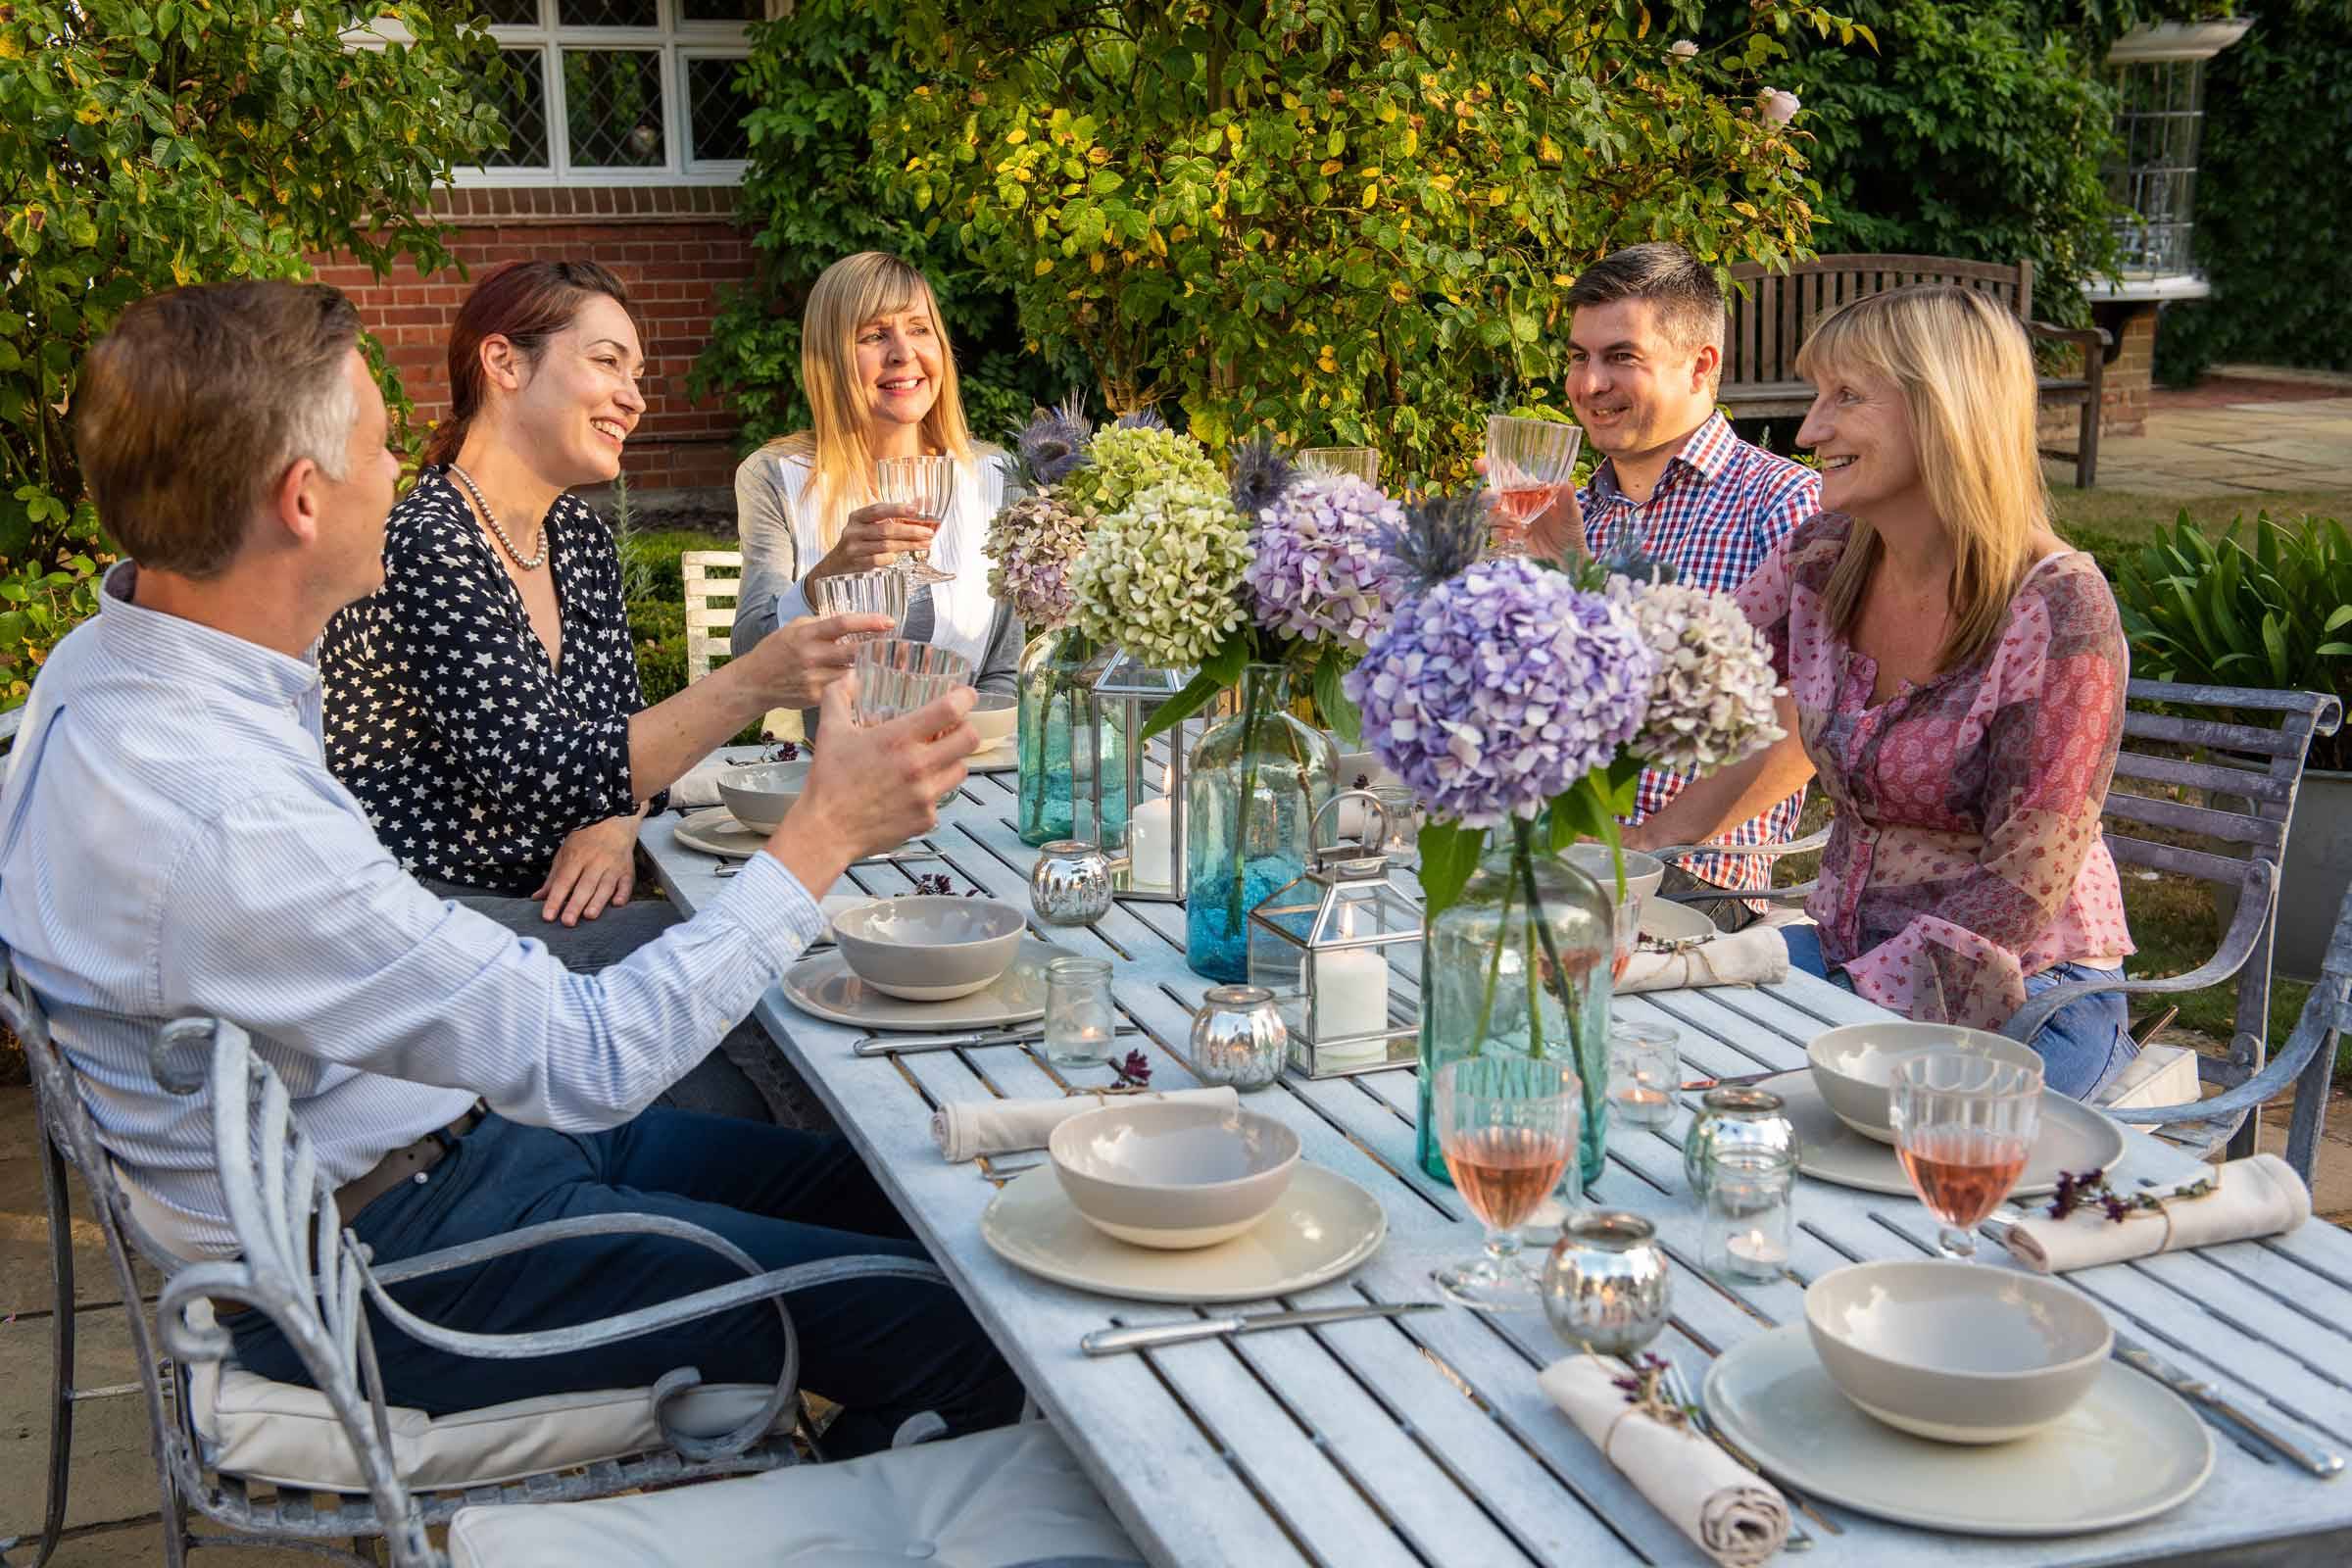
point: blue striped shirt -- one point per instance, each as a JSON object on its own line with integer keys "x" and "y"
{"x": 175, "y": 845}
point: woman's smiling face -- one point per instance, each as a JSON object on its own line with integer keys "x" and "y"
{"x": 898, "y": 359}
{"x": 580, "y": 399}
{"x": 1860, "y": 428}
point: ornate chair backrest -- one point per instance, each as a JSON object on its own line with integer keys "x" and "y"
{"x": 296, "y": 1263}
{"x": 2248, "y": 796}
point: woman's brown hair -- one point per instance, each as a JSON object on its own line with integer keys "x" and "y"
{"x": 526, "y": 302}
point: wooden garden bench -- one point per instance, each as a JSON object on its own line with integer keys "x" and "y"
{"x": 1774, "y": 312}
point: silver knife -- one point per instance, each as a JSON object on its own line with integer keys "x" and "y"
{"x": 1694, "y": 1085}
{"x": 2317, "y": 1461}
{"x": 911, "y": 1044}
{"x": 1151, "y": 1336}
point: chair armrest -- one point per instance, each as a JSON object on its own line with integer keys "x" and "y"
{"x": 1765, "y": 851}
{"x": 1793, "y": 897}
{"x": 2255, "y": 896}
{"x": 2086, "y": 337}
{"x": 2282, "y": 1070}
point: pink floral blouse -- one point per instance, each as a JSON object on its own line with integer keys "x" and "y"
{"x": 1965, "y": 853}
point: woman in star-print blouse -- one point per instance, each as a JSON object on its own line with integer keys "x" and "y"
{"x": 1956, "y": 676}
{"x": 484, "y": 705}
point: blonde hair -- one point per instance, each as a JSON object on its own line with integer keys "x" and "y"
{"x": 1966, "y": 375}
{"x": 852, "y": 291}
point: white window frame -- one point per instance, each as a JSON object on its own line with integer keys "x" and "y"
{"x": 677, "y": 40}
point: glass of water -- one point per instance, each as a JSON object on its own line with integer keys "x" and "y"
{"x": 1080, "y": 1022}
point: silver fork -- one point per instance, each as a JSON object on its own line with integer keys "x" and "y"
{"x": 1678, "y": 1391}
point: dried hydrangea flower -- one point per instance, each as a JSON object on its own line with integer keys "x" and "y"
{"x": 1711, "y": 697}
{"x": 1499, "y": 687}
{"x": 1163, "y": 575}
{"x": 1031, "y": 544}
{"x": 1125, "y": 459}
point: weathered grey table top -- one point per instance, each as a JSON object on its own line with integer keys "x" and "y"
{"x": 1426, "y": 1441}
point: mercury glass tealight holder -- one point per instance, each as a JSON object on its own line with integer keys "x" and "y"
{"x": 1238, "y": 1038}
{"x": 1606, "y": 1290}
{"x": 1070, "y": 883}
{"x": 1340, "y": 948}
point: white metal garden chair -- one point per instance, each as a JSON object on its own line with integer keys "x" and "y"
{"x": 709, "y": 623}
{"x": 278, "y": 1464}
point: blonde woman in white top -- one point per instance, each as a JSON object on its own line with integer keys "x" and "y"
{"x": 881, "y": 383}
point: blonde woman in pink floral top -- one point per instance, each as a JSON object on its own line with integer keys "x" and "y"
{"x": 1955, "y": 678}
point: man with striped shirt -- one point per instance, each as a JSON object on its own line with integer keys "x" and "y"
{"x": 1676, "y": 486}
{"x": 174, "y": 846}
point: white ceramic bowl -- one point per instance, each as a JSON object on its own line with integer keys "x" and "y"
{"x": 1853, "y": 1068}
{"x": 1174, "y": 1175}
{"x": 929, "y": 947}
{"x": 759, "y": 795}
{"x": 1642, "y": 872}
{"x": 1961, "y": 1353}
{"x": 995, "y": 714}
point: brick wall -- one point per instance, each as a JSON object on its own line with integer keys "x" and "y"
{"x": 2131, "y": 374}
{"x": 674, "y": 248}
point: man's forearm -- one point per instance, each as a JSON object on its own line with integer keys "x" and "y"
{"x": 1710, "y": 807}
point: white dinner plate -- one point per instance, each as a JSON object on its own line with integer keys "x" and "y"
{"x": 1001, "y": 757}
{"x": 1675, "y": 922}
{"x": 824, "y": 987}
{"x": 2073, "y": 1137}
{"x": 713, "y": 830}
{"x": 1324, "y": 1226}
{"x": 2130, "y": 1450}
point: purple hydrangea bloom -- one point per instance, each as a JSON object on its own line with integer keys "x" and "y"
{"x": 1321, "y": 570}
{"x": 1496, "y": 690}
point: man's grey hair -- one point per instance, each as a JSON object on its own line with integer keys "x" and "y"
{"x": 1677, "y": 284}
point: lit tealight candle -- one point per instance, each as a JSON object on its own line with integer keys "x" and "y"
{"x": 1758, "y": 1253}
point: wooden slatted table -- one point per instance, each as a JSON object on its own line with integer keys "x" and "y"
{"x": 1425, "y": 1441}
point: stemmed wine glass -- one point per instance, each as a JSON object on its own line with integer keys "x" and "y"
{"x": 1506, "y": 1126}
{"x": 1363, "y": 462}
{"x": 1963, "y": 1125}
{"x": 926, "y": 487}
{"x": 1528, "y": 461}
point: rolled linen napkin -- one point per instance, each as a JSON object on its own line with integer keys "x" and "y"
{"x": 1733, "y": 1514}
{"x": 698, "y": 786}
{"x": 2257, "y": 1197}
{"x": 1755, "y": 956}
{"x": 966, "y": 1130}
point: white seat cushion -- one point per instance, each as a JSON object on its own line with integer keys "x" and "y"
{"x": 286, "y": 1433}
{"x": 993, "y": 1500}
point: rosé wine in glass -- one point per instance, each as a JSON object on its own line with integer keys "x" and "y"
{"x": 1964, "y": 1127}
{"x": 1508, "y": 1128}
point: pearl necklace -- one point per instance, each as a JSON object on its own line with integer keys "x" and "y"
{"x": 491, "y": 518}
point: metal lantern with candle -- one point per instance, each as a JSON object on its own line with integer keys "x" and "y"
{"x": 1340, "y": 948}
{"x": 1145, "y": 842}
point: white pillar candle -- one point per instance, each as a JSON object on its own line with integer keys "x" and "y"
{"x": 1152, "y": 846}
{"x": 1351, "y": 997}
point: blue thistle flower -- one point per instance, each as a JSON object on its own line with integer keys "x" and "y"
{"x": 1053, "y": 445}
{"x": 1260, "y": 475}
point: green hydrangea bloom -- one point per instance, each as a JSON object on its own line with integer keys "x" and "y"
{"x": 1119, "y": 462}
{"x": 1163, "y": 575}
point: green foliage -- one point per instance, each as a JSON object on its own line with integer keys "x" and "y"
{"x": 1976, "y": 132}
{"x": 1337, "y": 219}
{"x": 144, "y": 146}
{"x": 2218, "y": 612}
{"x": 817, "y": 76}
{"x": 2270, "y": 232}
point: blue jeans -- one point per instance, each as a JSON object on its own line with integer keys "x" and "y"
{"x": 2086, "y": 1042}
{"x": 885, "y": 1348}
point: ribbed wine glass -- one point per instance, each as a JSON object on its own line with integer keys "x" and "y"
{"x": 926, "y": 487}
{"x": 1506, "y": 1126}
{"x": 880, "y": 592}
{"x": 1528, "y": 461}
{"x": 1964, "y": 1127}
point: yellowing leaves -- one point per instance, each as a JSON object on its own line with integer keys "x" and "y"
{"x": 1326, "y": 362}
{"x": 1330, "y": 167}
{"x": 1371, "y": 197}
{"x": 90, "y": 112}
{"x": 1546, "y": 149}
{"x": 1045, "y": 265}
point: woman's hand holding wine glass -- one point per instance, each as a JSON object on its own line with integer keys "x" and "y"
{"x": 876, "y": 536}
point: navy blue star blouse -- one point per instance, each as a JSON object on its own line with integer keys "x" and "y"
{"x": 473, "y": 755}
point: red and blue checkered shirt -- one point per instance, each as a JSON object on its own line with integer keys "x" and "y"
{"x": 1718, "y": 510}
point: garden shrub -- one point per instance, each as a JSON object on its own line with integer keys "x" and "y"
{"x": 145, "y": 145}
{"x": 1339, "y": 221}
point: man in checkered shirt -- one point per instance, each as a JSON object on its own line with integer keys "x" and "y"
{"x": 1674, "y": 484}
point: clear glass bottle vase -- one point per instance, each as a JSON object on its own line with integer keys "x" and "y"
{"x": 1066, "y": 740}
{"x": 1524, "y": 914}
{"x": 1253, "y": 786}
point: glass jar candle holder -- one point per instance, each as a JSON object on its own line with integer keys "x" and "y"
{"x": 1070, "y": 883}
{"x": 1736, "y": 1118}
{"x": 1646, "y": 1070}
{"x": 1239, "y": 1038}
{"x": 1080, "y": 1024}
{"x": 1748, "y": 1231}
